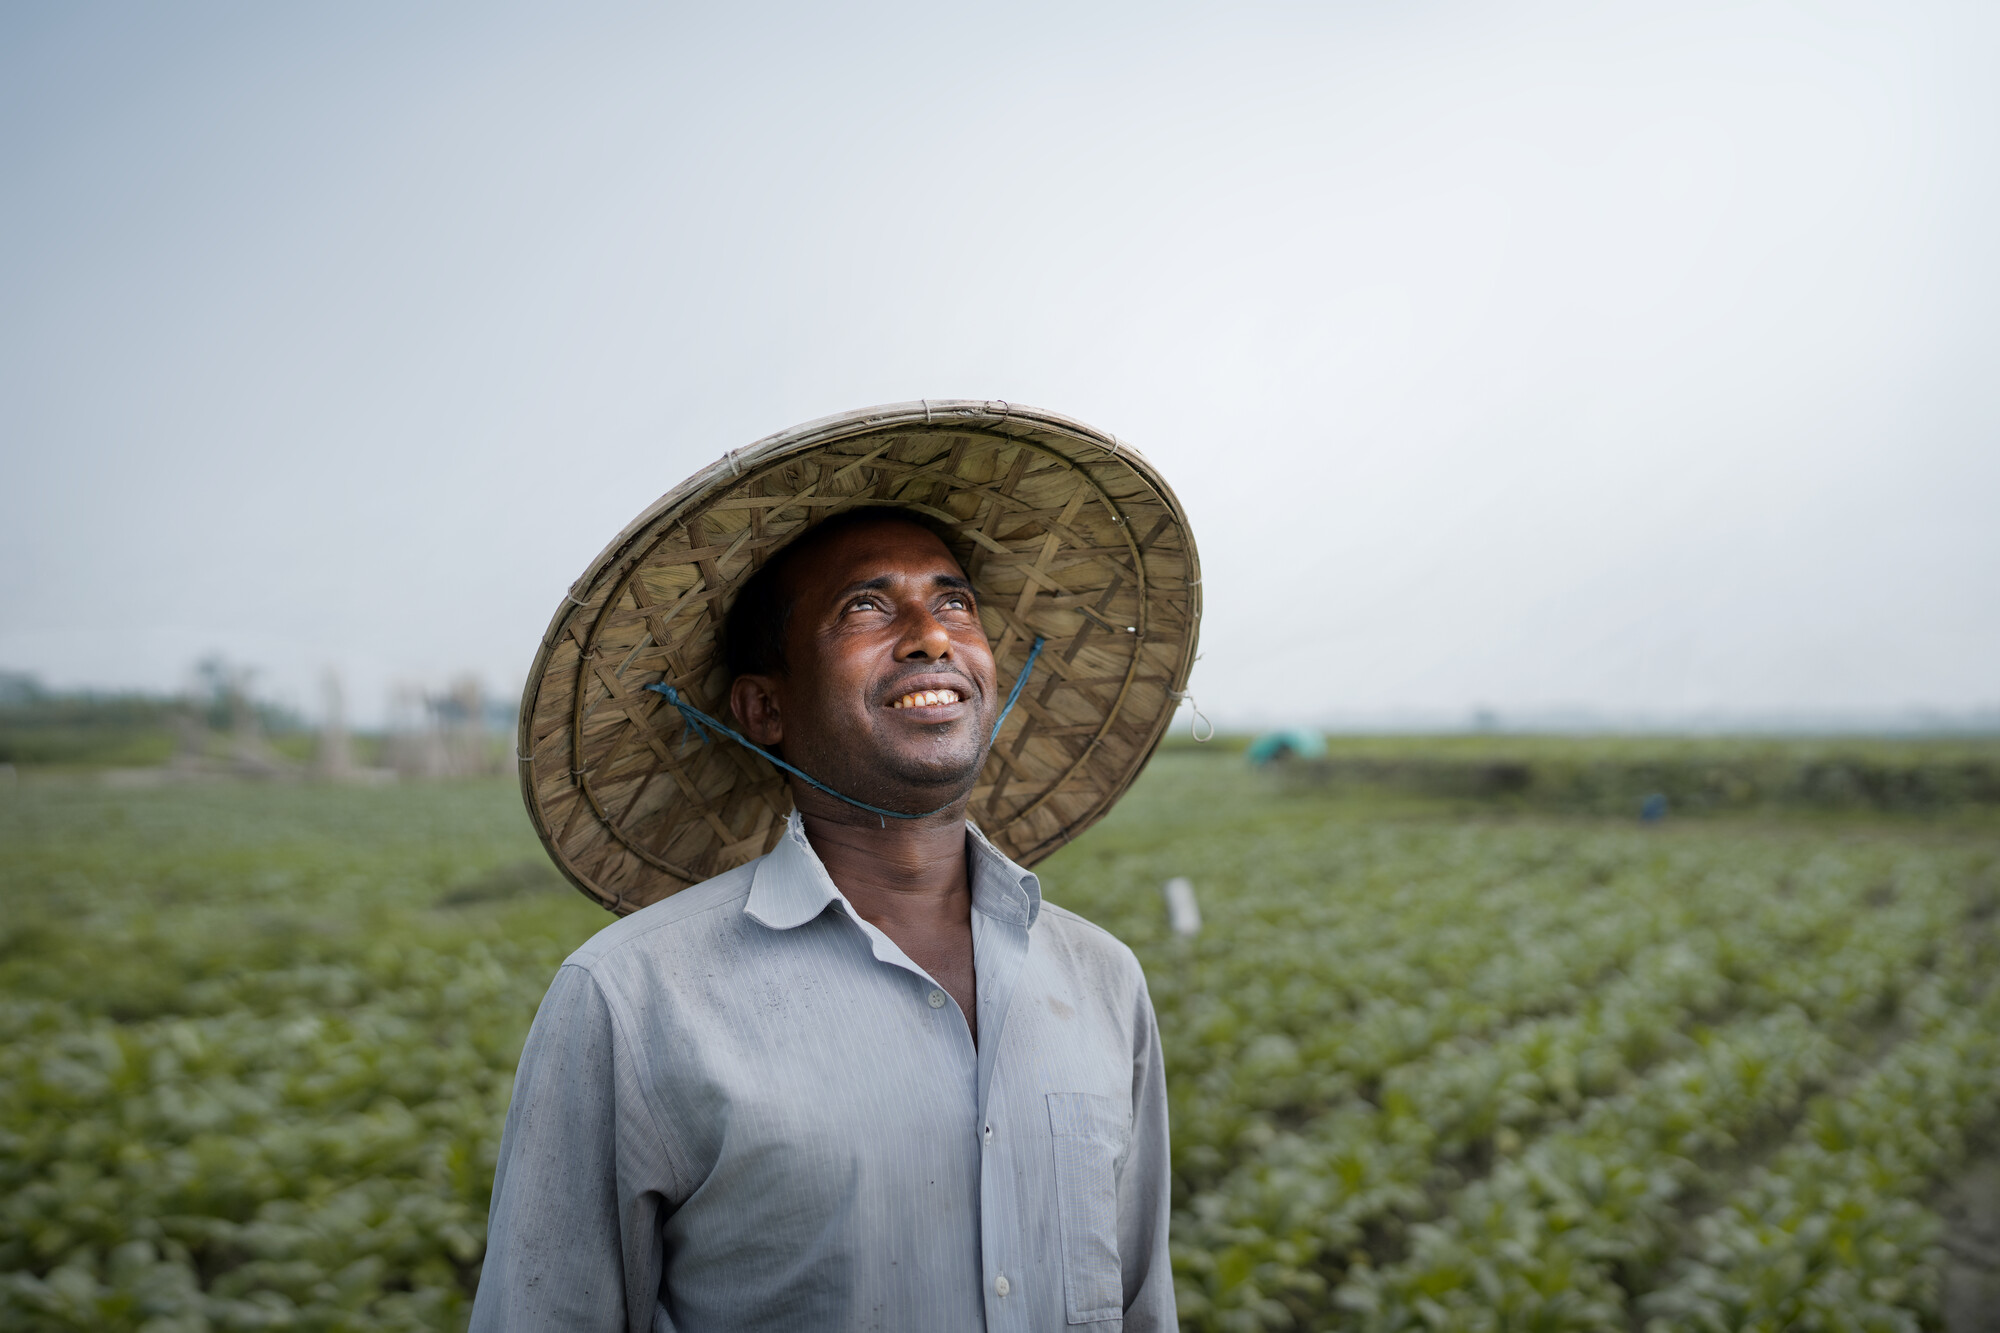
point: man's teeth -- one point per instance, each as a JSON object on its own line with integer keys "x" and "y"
{"x": 926, "y": 699}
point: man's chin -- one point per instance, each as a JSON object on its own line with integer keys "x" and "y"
{"x": 909, "y": 773}
{"x": 938, "y": 778}
{"x": 938, "y": 783}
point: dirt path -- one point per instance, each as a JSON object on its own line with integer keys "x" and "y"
{"x": 1972, "y": 1239}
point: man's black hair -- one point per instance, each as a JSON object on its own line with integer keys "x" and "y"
{"x": 753, "y": 632}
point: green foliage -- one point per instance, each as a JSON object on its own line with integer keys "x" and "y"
{"x": 37, "y": 727}
{"x": 1448, "y": 1073}
{"x": 1614, "y": 776}
{"x": 249, "y": 1075}
{"x": 1829, "y": 1234}
{"x": 87, "y": 729}
{"x": 1426, "y": 1071}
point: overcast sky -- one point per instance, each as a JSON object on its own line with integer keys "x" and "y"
{"x": 1635, "y": 359}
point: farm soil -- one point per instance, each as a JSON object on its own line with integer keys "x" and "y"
{"x": 1972, "y": 1240}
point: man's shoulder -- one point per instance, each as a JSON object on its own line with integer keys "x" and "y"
{"x": 1087, "y": 943}
{"x": 689, "y": 919}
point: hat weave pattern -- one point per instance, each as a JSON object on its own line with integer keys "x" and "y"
{"x": 1065, "y": 533}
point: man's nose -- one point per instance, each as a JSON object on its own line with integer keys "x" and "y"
{"x": 924, "y": 639}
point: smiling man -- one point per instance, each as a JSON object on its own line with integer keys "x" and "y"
{"x": 870, "y": 1079}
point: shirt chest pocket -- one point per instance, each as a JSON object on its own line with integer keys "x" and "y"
{"x": 1089, "y": 1134}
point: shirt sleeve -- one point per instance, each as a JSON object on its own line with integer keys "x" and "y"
{"x": 568, "y": 1248}
{"x": 1145, "y": 1187}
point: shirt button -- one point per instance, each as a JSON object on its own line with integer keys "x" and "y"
{"x": 937, "y": 999}
{"x": 989, "y": 1133}
{"x": 1000, "y": 1285}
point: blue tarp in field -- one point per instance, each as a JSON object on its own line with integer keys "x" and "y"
{"x": 1294, "y": 744}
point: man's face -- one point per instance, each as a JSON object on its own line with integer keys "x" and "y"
{"x": 889, "y": 697}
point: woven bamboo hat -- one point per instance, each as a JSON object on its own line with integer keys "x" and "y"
{"x": 1068, "y": 534}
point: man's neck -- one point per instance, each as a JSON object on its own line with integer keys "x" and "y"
{"x": 912, "y": 871}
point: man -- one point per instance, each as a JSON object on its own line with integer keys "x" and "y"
{"x": 869, "y": 1079}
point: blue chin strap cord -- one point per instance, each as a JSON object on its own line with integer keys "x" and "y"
{"x": 702, "y": 724}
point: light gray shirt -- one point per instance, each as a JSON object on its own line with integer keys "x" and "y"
{"x": 745, "y": 1108}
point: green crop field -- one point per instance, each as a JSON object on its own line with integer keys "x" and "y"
{"x": 1463, "y": 1044}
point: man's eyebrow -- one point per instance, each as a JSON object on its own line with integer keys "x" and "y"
{"x": 883, "y": 583}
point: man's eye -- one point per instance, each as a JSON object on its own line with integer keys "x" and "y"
{"x": 864, "y": 604}
{"x": 958, "y": 602}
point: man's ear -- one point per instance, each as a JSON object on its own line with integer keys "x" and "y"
{"x": 754, "y": 700}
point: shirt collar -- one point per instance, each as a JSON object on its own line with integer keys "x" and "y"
{"x": 1000, "y": 888}
{"x": 790, "y": 886}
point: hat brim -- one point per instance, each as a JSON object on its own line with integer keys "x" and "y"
{"x": 1069, "y": 535}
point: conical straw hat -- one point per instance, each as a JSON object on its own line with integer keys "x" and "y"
{"x": 1068, "y": 534}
